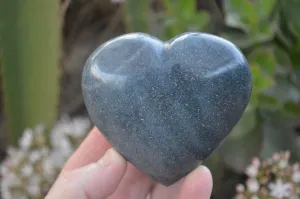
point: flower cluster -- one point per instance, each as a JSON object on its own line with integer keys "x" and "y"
{"x": 273, "y": 178}
{"x": 29, "y": 170}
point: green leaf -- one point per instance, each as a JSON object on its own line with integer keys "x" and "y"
{"x": 245, "y": 40}
{"x": 284, "y": 91}
{"x": 243, "y": 142}
{"x": 268, "y": 102}
{"x": 294, "y": 53}
{"x": 137, "y": 15}
{"x": 261, "y": 82}
{"x": 247, "y": 12}
{"x": 265, "y": 8}
{"x": 290, "y": 11}
{"x": 264, "y": 58}
{"x": 284, "y": 63}
{"x": 30, "y": 56}
{"x": 266, "y": 32}
{"x": 186, "y": 8}
{"x": 292, "y": 108}
{"x": 198, "y": 22}
{"x": 240, "y": 39}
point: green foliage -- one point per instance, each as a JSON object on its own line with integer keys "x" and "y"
{"x": 177, "y": 17}
{"x": 268, "y": 32}
{"x": 138, "y": 15}
{"x": 181, "y": 16}
{"x": 275, "y": 96}
{"x": 29, "y": 38}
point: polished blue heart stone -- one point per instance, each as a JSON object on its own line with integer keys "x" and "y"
{"x": 166, "y": 106}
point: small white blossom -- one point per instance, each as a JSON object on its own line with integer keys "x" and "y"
{"x": 18, "y": 156}
{"x": 10, "y": 180}
{"x": 280, "y": 190}
{"x": 4, "y": 169}
{"x": 252, "y": 185}
{"x": 296, "y": 176}
{"x": 251, "y": 171}
{"x": 6, "y": 194}
{"x": 38, "y": 162}
{"x": 240, "y": 188}
{"x": 34, "y": 156}
{"x": 48, "y": 168}
{"x": 283, "y": 163}
{"x": 254, "y": 197}
{"x": 240, "y": 196}
{"x": 26, "y": 170}
{"x": 26, "y": 140}
{"x": 80, "y": 127}
{"x": 256, "y": 162}
{"x": 33, "y": 188}
{"x": 276, "y": 157}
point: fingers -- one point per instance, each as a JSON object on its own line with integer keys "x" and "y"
{"x": 197, "y": 185}
{"x": 91, "y": 150}
{"x": 134, "y": 185}
{"x": 163, "y": 192}
{"x": 94, "y": 181}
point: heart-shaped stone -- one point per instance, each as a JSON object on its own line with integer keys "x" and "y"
{"x": 166, "y": 106}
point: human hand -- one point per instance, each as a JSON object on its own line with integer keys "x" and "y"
{"x": 96, "y": 171}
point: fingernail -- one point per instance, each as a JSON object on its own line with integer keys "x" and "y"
{"x": 202, "y": 169}
{"x": 110, "y": 157}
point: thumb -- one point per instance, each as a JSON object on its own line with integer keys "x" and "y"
{"x": 95, "y": 181}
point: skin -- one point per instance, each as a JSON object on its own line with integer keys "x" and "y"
{"x": 96, "y": 171}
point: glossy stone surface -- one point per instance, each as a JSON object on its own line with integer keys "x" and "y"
{"x": 166, "y": 106}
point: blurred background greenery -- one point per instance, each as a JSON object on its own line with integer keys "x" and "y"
{"x": 44, "y": 45}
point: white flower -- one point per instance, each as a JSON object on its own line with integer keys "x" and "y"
{"x": 26, "y": 170}
{"x": 240, "y": 188}
{"x": 283, "y": 163}
{"x": 4, "y": 169}
{"x": 34, "y": 156}
{"x": 254, "y": 197}
{"x": 10, "y": 180}
{"x": 296, "y": 176}
{"x": 6, "y": 194}
{"x": 276, "y": 156}
{"x": 48, "y": 167}
{"x": 18, "y": 156}
{"x": 256, "y": 161}
{"x": 76, "y": 127}
{"x": 280, "y": 190}
{"x": 251, "y": 171}
{"x": 33, "y": 187}
{"x": 65, "y": 147}
{"x": 252, "y": 185}
{"x": 33, "y": 190}
{"x": 26, "y": 140}
{"x": 80, "y": 127}
{"x": 40, "y": 166}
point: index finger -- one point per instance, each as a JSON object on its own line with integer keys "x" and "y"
{"x": 91, "y": 150}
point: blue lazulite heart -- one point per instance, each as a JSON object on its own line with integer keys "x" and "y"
{"x": 166, "y": 106}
